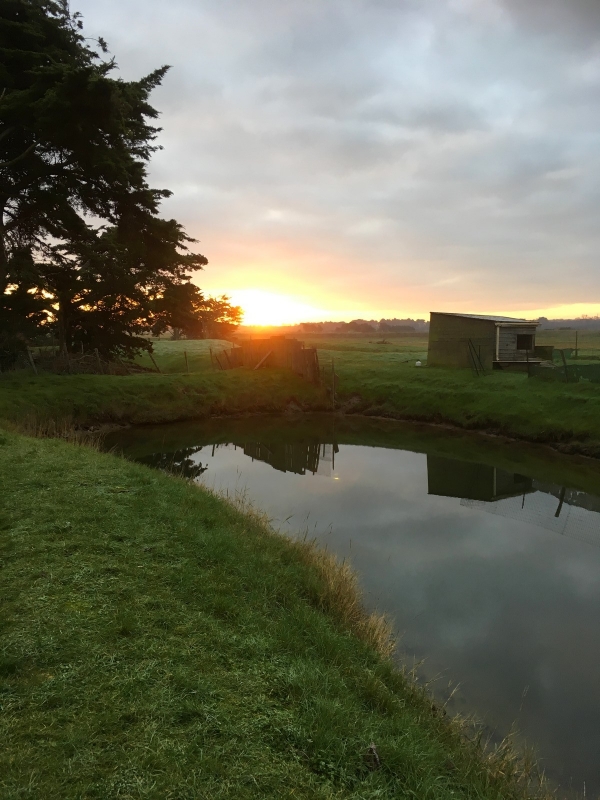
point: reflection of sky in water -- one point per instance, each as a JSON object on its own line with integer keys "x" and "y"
{"x": 507, "y": 609}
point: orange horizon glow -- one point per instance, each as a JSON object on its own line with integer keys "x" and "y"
{"x": 277, "y": 284}
{"x": 266, "y": 308}
{"x": 270, "y": 308}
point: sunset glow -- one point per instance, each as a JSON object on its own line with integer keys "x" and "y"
{"x": 263, "y": 307}
{"x": 269, "y": 308}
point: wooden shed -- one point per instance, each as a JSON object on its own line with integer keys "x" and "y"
{"x": 475, "y": 340}
{"x": 276, "y": 351}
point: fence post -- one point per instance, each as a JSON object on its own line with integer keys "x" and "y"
{"x": 332, "y": 385}
{"x": 67, "y": 359}
{"x": 33, "y": 367}
{"x": 187, "y": 366}
{"x": 562, "y": 352}
{"x": 153, "y": 361}
{"x": 100, "y": 367}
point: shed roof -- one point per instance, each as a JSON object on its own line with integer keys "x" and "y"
{"x": 486, "y": 317}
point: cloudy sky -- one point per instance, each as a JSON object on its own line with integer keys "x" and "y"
{"x": 377, "y": 157}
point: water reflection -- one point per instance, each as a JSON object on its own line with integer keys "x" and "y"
{"x": 517, "y": 497}
{"x": 478, "y": 486}
{"x": 449, "y": 477}
{"x": 297, "y": 457}
{"x": 473, "y": 548}
{"x": 181, "y": 462}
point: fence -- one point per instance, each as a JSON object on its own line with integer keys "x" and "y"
{"x": 51, "y": 360}
{"x": 558, "y": 370}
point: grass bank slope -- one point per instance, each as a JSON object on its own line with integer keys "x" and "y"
{"x": 157, "y": 643}
{"x": 143, "y": 398}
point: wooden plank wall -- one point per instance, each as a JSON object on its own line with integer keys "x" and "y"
{"x": 276, "y": 351}
{"x": 449, "y": 341}
{"x": 508, "y": 344}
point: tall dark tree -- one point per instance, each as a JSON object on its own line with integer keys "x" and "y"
{"x": 103, "y": 288}
{"x": 79, "y": 231}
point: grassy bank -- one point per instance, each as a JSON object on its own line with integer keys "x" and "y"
{"x": 374, "y": 379}
{"x": 87, "y": 399}
{"x": 382, "y": 379}
{"x": 157, "y": 643}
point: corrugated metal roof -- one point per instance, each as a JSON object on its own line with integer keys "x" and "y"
{"x": 484, "y": 316}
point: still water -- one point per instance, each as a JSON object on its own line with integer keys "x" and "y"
{"x": 486, "y": 556}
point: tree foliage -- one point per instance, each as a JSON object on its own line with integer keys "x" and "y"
{"x": 184, "y": 309}
{"x": 83, "y": 250}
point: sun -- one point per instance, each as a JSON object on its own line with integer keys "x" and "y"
{"x": 269, "y": 308}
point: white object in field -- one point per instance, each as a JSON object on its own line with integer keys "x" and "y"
{"x": 418, "y": 364}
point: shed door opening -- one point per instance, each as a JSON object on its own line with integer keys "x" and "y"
{"x": 524, "y": 341}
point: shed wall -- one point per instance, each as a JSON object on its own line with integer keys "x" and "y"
{"x": 449, "y": 341}
{"x": 508, "y": 344}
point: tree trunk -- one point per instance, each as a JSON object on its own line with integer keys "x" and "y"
{"x": 3, "y": 254}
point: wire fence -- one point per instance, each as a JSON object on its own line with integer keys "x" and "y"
{"x": 52, "y": 360}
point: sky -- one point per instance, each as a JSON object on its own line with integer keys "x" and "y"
{"x": 377, "y": 158}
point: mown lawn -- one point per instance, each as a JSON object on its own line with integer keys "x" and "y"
{"x": 157, "y": 643}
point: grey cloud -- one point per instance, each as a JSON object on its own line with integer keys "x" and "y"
{"x": 578, "y": 20}
{"x": 430, "y": 142}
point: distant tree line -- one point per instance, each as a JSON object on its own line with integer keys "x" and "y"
{"x": 85, "y": 256}
{"x": 366, "y": 326}
{"x": 582, "y": 323}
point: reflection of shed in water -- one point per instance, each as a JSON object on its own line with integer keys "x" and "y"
{"x": 507, "y": 494}
{"x": 560, "y": 510}
{"x": 298, "y": 457}
{"x": 572, "y": 497}
{"x": 448, "y": 477}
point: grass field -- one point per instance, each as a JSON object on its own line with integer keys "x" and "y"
{"x": 373, "y": 378}
{"x": 415, "y": 346}
{"x": 158, "y": 643}
{"x": 588, "y": 342}
{"x": 191, "y": 355}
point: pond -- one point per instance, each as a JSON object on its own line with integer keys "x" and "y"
{"x": 486, "y": 555}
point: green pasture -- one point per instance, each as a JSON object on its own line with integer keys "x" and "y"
{"x": 587, "y": 342}
{"x": 182, "y": 355}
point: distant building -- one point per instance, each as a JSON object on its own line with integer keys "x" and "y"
{"x": 475, "y": 340}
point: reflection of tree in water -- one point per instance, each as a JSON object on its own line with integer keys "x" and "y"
{"x": 180, "y": 462}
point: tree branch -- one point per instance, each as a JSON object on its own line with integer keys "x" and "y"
{"x": 23, "y": 155}
{"x": 7, "y": 131}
